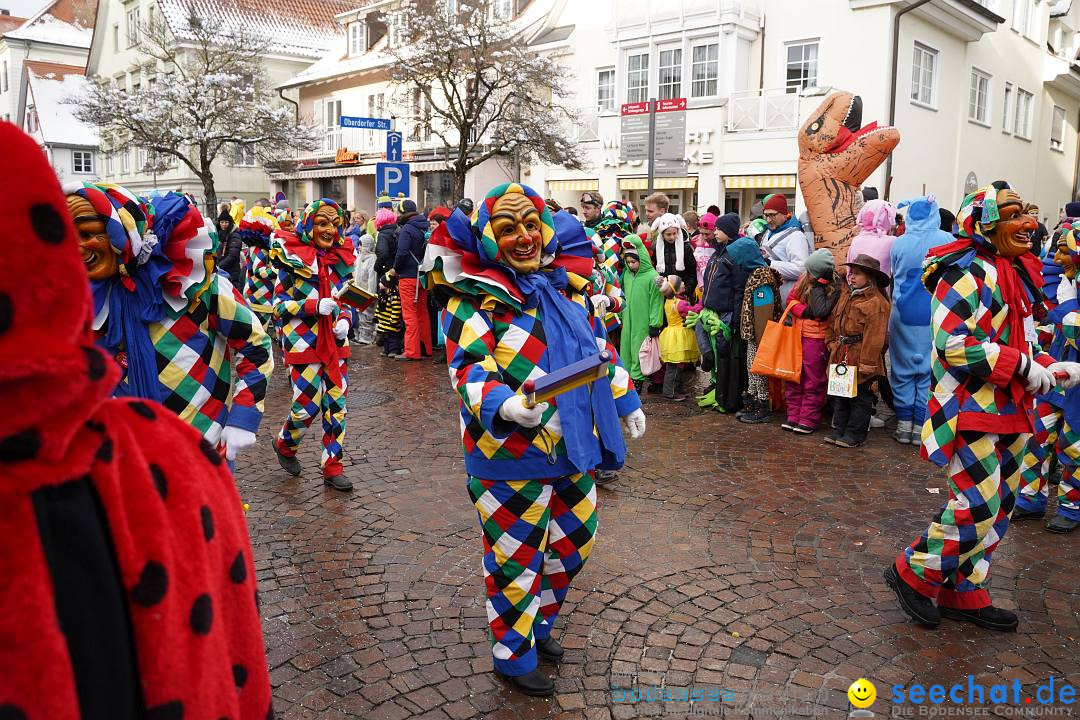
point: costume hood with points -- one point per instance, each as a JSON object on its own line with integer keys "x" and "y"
{"x": 876, "y": 218}
{"x": 644, "y": 305}
{"x": 129, "y": 588}
{"x": 548, "y": 326}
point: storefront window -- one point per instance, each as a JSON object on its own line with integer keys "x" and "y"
{"x": 438, "y": 190}
{"x": 333, "y": 188}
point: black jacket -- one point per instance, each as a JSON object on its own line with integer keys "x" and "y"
{"x": 412, "y": 241}
{"x": 722, "y": 285}
{"x": 385, "y": 249}
{"x": 229, "y": 246}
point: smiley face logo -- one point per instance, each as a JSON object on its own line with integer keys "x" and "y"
{"x": 862, "y": 693}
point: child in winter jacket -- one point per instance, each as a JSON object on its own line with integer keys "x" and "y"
{"x": 723, "y": 283}
{"x": 814, "y": 297}
{"x": 703, "y": 246}
{"x": 678, "y": 347}
{"x": 388, "y": 319}
{"x": 364, "y": 277}
{"x": 643, "y": 310}
{"x": 760, "y": 304}
{"x": 857, "y": 340}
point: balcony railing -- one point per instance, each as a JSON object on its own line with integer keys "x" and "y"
{"x": 762, "y": 110}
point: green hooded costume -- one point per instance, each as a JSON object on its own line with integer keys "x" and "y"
{"x": 644, "y": 306}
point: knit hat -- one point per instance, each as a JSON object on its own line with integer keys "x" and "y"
{"x": 666, "y": 222}
{"x": 756, "y": 227}
{"x": 466, "y": 206}
{"x": 1072, "y": 209}
{"x": 729, "y": 225}
{"x": 821, "y": 264}
{"x": 777, "y": 203}
{"x": 407, "y": 206}
{"x": 707, "y": 222}
{"x": 440, "y": 210}
{"x": 384, "y": 201}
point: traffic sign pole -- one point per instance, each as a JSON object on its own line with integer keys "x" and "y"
{"x": 652, "y": 143}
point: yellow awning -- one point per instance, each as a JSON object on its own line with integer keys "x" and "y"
{"x": 676, "y": 183}
{"x": 735, "y": 182}
{"x": 575, "y": 185}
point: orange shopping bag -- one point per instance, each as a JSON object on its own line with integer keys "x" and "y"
{"x": 779, "y": 354}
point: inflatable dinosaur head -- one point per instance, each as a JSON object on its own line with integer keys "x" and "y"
{"x": 837, "y": 153}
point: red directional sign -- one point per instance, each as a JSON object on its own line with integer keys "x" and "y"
{"x": 638, "y": 108}
{"x": 670, "y": 105}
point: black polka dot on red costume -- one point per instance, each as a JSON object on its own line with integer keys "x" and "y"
{"x": 7, "y": 312}
{"x": 202, "y": 615}
{"x": 95, "y": 363}
{"x": 142, "y": 409}
{"x": 160, "y": 482}
{"x": 48, "y": 223}
{"x": 239, "y": 675}
{"x": 153, "y": 582}
{"x": 169, "y": 711}
{"x": 210, "y": 452}
{"x": 22, "y": 445}
{"x": 105, "y": 451}
{"x": 94, "y": 425}
{"x": 207, "y": 523}
{"x": 238, "y": 569}
{"x": 11, "y": 712}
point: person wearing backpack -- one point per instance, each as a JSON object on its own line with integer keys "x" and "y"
{"x": 412, "y": 242}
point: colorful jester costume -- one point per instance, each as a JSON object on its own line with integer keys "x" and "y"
{"x": 977, "y": 423}
{"x": 170, "y": 321}
{"x": 604, "y": 280}
{"x": 1056, "y": 416}
{"x": 533, "y": 487}
{"x": 317, "y": 359}
{"x": 255, "y": 229}
{"x": 129, "y": 588}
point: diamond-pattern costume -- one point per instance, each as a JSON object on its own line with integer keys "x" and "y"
{"x": 532, "y": 487}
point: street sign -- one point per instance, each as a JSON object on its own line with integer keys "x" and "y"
{"x": 393, "y": 146}
{"x": 640, "y": 108}
{"x": 362, "y": 123}
{"x": 392, "y": 179}
{"x": 670, "y": 137}
{"x": 672, "y": 105}
{"x": 634, "y": 138}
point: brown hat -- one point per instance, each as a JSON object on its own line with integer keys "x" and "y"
{"x": 872, "y": 267}
{"x": 592, "y": 197}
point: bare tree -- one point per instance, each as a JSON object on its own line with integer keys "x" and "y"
{"x": 487, "y": 93}
{"x": 209, "y": 95}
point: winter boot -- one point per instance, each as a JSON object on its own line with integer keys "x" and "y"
{"x": 989, "y": 617}
{"x": 920, "y": 608}
{"x": 903, "y": 432}
{"x": 760, "y": 414}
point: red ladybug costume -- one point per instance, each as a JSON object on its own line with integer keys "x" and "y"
{"x": 128, "y": 587}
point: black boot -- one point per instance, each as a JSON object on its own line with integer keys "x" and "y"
{"x": 1020, "y": 513}
{"x": 549, "y": 649}
{"x": 534, "y": 683}
{"x": 991, "y": 618}
{"x": 749, "y": 406}
{"x": 761, "y": 414}
{"x": 605, "y": 477}
{"x": 338, "y": 482}
{"x": 289, "y": 464}
{"x": 919, "y": 607}
{"x": 1060, "y": 524}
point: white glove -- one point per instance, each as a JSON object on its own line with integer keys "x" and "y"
{"x": 327, "y": 306}
{"x": 341, "y": 328}
{"x": 601, "y": 344}
{"x": 513, "y": 410}
{"x": 1037, "y": 379}
{"x": 1066, "y": 290}
{"x": 1068, "y": 368}
{"x": 600, "y": 303}
{"x": 634, "y": 424}
{"x": 236, "y": 440}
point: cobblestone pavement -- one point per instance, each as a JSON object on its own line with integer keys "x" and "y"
{"x": 728, "y": 556}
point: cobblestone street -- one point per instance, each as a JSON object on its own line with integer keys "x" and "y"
{"x": 728, "y": 556}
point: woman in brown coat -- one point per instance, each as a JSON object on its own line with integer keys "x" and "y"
{"x": 857, "y": 338}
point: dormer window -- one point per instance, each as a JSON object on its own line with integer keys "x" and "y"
{"x": 356, "y": 39}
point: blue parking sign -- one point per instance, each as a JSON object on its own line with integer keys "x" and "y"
{"x": 393, "y": 146}
{"x": 392, "y": 178}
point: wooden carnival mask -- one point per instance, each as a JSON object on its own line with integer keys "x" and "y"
{"x": 325, "y": 229}
{"x": 1011, "y": 234}
{"x": 98, "y": 254}
{"x": 515, "y": 223}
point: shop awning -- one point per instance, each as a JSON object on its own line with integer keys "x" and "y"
{"x": 573, "y": 185}
{"x": 329, "y": 172}
{"x": 736, "y": 182}
{"x": 676, "y": 183}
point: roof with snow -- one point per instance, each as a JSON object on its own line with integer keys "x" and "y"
{"x": 303, "y": 28}
{"x": 51, "y": 84}
{"x": 10, "y": 22}
{"x": 61, "y": 22}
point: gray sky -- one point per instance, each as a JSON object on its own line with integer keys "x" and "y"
{"x": 22, "y": 8}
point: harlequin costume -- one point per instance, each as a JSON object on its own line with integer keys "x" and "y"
{"x": 604, "y": 282}
{"x": 171, "y": 322}
{"x": 983, "y": 288}
{"x": 532, "y": 486}
{"x": 1056, "y": 415}
{"x": 129, "y": 587}
{"x": 255, "y": 230}
{"x": 315, "y": 345}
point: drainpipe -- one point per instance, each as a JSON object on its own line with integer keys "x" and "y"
{"x": 296, "y": 105}
{"x": 892, "y": 83}
{"x": 1076, "y": 166}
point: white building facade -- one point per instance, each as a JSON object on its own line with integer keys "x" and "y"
{"x": 70, "y": 145}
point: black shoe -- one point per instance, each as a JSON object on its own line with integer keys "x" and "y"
{"x": 831, "y": 439}
{"x": 802, "y": 429}
{"x": 338, "y": 482}
{"x": 787, "y": 425}
{"x": 439, "y": 358}
{"x": 549, "y": 649}
{"x": 1059, "y": 524}
{"x": 991, "y": 618}
{"x": 1020, "y": 513}
{"x": 606, "y": 477}
{"x": 534, "y": 683}
{"x": 289, "y": 464}
{"x": 848, "y": 442}
{"x": 919, "y": 607}
{"x": 760, "y": 415}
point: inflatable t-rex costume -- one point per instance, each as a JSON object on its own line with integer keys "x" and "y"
{"x": 836, "y": 156}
